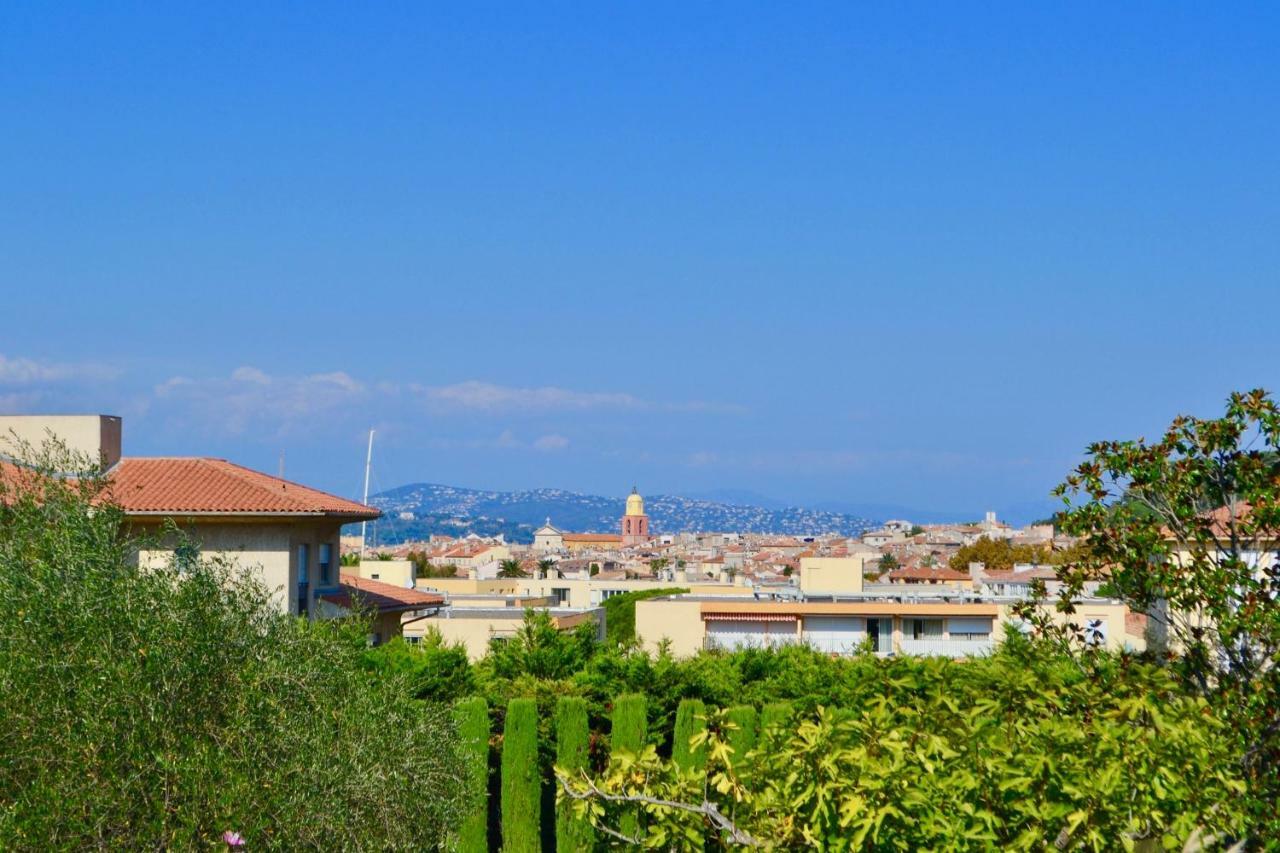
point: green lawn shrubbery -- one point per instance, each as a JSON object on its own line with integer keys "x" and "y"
{"x": 159, "y": 709}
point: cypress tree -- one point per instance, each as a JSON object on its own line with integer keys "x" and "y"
{"x": 521, "y": 781}
{"x": 743, "y": 738}
{"x": 630, "y": 729}
{"x": 690, "y": 720}
{"x": 572, "y": 742}
{"x": 472, "y": 716}
{"x": 776, "y": 714}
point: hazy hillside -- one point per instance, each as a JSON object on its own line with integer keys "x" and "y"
{"x": 453, "y": 510}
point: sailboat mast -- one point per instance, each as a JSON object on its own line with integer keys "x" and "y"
{"x": 368, "y": 463}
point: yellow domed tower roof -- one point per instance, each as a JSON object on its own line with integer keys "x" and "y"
{"x": 635, "y": 503}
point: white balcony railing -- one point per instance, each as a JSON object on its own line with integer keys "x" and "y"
{"x": 947, "y": 648}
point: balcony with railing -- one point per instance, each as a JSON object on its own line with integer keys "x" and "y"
{"x": 951, "y": 648}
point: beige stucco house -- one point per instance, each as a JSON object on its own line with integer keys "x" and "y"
{"x": 285, "y": 532}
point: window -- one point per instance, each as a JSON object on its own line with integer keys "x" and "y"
{"x": 923, "y": 629}
{"x": 606, "y": 594}
{"x": 186, "y": 557}
{"x": 561, "y": 595}
{"x": 326, "y": 564}
{"x": 969, "y": 628}
{"x": 304, "y": 573}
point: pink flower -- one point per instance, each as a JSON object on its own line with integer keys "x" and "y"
{"x": 233, "y": 839}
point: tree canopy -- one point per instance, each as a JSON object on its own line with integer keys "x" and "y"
{"x": 1186, "y": 529}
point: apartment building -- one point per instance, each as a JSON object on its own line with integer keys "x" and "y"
{"x": 889, "y": 621}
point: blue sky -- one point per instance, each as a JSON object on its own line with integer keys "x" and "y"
{"x": 898, "y": 253}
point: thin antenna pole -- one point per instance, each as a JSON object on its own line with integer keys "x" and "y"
{"x": 281, "y": 464}
{"x": 368, "y": 463}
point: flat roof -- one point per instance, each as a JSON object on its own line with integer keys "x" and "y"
{"x": 515, "y": 613}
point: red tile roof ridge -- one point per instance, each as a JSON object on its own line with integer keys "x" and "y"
{"x": 210, "y": 485}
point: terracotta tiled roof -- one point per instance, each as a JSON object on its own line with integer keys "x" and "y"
{"x": 355, "y": 592}
{"x": 15, "y": 479}
{"x": 204, "y": 486}
{"x": 593, "y": 537}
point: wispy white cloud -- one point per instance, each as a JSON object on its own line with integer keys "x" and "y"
{"x": 474, "y": 395}
{"x": 29, "y": 371}
{"x": 827, "y": 460}
{"x": 251, "y": 399}
{"x": 550, "y": 443}
{"x": 486, "y": 396}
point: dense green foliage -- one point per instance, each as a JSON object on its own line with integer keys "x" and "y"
{"x": 620, "y": 612}
{"x": 691, "y": 720}
{"x": 629, "y": 734}
{"x": 521, "y": 780}
{"x": 161, "y": 708}
{"x": 1099, "y": 758}
{"x": 472, "y": 716}
{"x": 573, "y": 743}
{"x": 434, "y": 669}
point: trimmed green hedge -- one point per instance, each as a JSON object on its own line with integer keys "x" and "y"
{"x": 742, "y": 738}
{"x": 691, "y": 718}
{"x": 472, "y": 716}
{"x": 630, "y": 731}
{"x": 776, "y": 714}
{"x": 573, "y": 743}
{"x": 521, "y": 780}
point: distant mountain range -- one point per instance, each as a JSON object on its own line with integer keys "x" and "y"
{"x": 458, "y": 512}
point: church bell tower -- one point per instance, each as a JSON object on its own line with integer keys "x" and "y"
{"x": 635, "y": 524}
